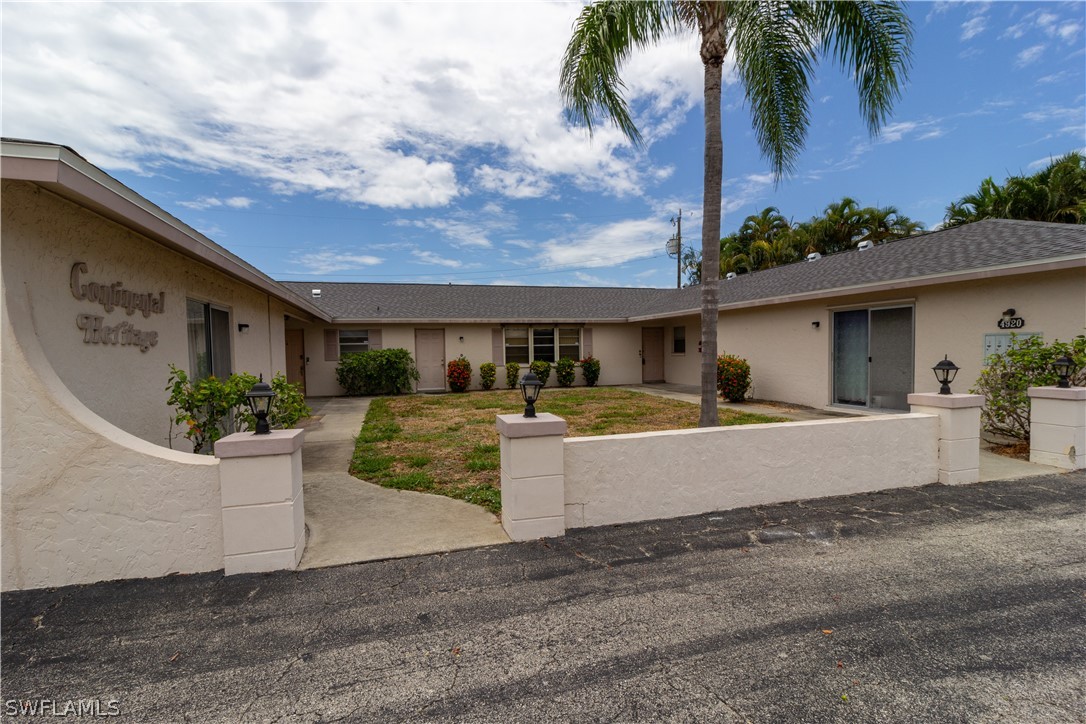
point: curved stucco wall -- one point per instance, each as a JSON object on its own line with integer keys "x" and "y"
{"x": 84, "y": 501}
{"x": 45, "y": 235}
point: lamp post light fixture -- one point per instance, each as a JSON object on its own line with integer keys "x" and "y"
{"x": 944, "y": 372}
{"x": 260, "y": 399}
{"x": 1063, "y": 367}
{"x": 530, "y": 386}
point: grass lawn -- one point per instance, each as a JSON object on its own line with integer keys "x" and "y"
{"x": 448, "y": 444}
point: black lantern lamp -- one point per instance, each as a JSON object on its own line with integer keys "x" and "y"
{"x": 530, "y": 386}
{"x": 944, "y": 372}
{"x": 1063, "y": 366}
{"x": 260, "y": 399}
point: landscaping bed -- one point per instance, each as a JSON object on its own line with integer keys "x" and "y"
{"x": 448, "y": 444}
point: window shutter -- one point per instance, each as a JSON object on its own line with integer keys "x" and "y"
{"x": 331, "y": 345}
{"x": 375, "y": 339}
{"x": 586, "y": 342}
{"x": 497, "y": 346}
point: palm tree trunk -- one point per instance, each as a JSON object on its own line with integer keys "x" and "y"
{"x": 710, "y": 238}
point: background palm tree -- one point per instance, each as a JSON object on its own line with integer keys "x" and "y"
{"x": 1056, "y": 193}
{"x": 775, "y": 45}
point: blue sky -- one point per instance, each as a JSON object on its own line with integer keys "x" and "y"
{"x": 417, "y": 142}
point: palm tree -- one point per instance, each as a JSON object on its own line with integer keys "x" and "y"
{"x": 775, "y": 44}
{"x": 1056, "y": 193}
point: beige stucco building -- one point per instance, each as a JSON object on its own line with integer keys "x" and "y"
{"x": 103, "y": 290}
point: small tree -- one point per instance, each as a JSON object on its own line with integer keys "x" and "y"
{"x": 512, "y": 374}
{"x": 732, "y": 377}
{"x": 1006, "y": 377}
{"x": 542, "y": 370}
{"x": 590, "y": 368}
{"x": 459, "y": 374}
{"x": 488, "y": 372}
{"x": 566, "y": 372}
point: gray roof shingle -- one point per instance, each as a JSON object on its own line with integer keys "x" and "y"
{"x": 981, "y": 245}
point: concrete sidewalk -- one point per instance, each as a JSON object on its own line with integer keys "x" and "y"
{"x": 934, "y": 604}
{"x": 350, "y": 520}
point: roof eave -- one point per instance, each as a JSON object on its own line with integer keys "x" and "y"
{"x": 62, "y": 171}
{"x": 1030, "y": 267}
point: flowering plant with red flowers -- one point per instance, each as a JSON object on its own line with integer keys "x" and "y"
{"x": 459, "y": 374}
{"x": 732, "y": 377}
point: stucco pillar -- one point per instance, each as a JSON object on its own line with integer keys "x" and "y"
{"x": 1057, "y": 426}
{"x": 533, "y": 481}
{"x": 263, "y": 519}
{"x": 959, "y": 433}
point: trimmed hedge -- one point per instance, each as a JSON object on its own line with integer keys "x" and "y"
{"x": 377, "y": 372}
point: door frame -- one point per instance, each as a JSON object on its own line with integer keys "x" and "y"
{"x": 644, "y": 355}
{"x": 869, "y": 308}
{"x": 418, "y": 359}
{"x": 286, "y": 352}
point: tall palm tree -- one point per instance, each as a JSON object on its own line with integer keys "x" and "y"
{"x": 775, "y": 44}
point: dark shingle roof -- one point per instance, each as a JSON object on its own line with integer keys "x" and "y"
{"x": 981, "y": 245}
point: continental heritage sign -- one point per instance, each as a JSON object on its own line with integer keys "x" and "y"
{"x": 114, "y": 296}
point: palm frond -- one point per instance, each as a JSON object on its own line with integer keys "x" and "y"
{"x": 871, "y": 40}
{"x": 603, "y": 36}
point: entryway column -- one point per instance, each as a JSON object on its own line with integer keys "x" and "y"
{"x": 959, "y": 433}
{"x": 1057, "y": 426}
{"x": 533, "y": 479}
{"x": 263, "y": 519}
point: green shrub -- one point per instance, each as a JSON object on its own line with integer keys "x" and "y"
{"x": 565, "y": 372}
{"x": 1006, "y": 378}
{"x": 732, "y": 377}
{"x": 488, "y": 372}
{"x": 512, "y": 374}
{"x": 207, "y": 408}
{"x": 542, "y": 370}
{"x": 590, "y": 368}
{"x": 459, "y": 374}
{"x": 377, "y": 372}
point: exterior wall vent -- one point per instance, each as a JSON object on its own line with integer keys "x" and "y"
{"x": 316, "y": 293}
{"x": 865, "y": 245}
{"x": 730, "y": 275}
{"x": 814, "y": 256}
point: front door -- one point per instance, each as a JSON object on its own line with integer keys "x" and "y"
{"x": 873, "y": 357}
{"x": 296, "y": 358}
{"x": 652, "y": 354}
{"x": 430, "y": 359}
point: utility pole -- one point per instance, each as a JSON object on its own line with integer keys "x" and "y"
{"x": 675, "y": 246}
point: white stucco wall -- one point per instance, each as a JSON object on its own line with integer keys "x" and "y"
{"x": 791, "y": 360}
{"x": 83, "y": 500}
{"x": 645, "y": 476}
{"x": 44, "y": 236}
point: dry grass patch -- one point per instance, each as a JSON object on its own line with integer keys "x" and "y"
{"x": 448, "y": 444}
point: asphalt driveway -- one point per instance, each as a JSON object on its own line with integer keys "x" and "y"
{"x": 927, "y": 605}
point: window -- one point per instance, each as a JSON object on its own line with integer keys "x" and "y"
{"x": 209, "y": 340}
{"x": 524, "y": 345}
{"x": 353, "y": 340}
{"x": 678, "y": 340}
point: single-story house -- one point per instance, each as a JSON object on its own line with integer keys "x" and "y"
{"x": 103, "y": 291}
{"x": 114, "y": 289}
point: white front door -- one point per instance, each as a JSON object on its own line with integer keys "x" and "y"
{"x": 430, "y": 359}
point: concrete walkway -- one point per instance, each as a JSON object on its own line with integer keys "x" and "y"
{"x": 350, "y": 520}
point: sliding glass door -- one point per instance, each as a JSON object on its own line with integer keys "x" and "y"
{"x": 873, "y": 357}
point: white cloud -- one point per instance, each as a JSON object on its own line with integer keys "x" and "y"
{"x": 429, "y": 257}
{"x": 382, "y": 104}
{"x": 739, "y": 192}
{"x": 211, "y": 202}
{"x": 974, "y": 26}
{"x": 1050, "y": 113}
{"x": 514, "y": 184}
{"x": 1030, "y": 55}
{"x": 328, "y": 261}
{"x": 937, "y": 8}
{"x": 608, "y": 244}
